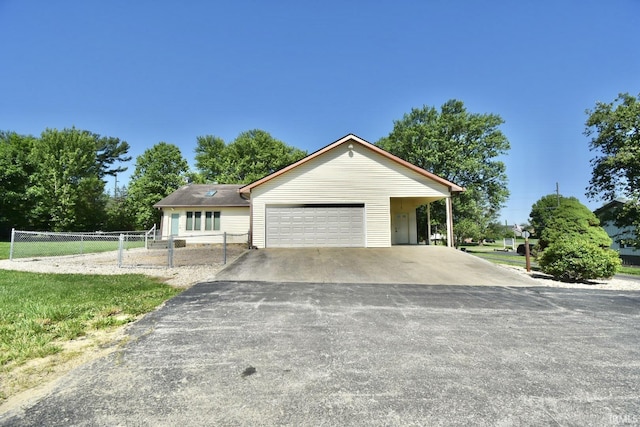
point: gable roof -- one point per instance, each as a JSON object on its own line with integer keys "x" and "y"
{"x": 351, "y": 138}
{"x": 618, "y": 201}
{"x": 194, "y": 195}
{"x": 609, "y": 211}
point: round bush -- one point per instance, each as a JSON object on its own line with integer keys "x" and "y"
{"x": 577, "y": 260}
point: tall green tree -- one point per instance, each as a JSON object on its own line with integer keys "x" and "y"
{"x": 159, "y": 171}
{"x": 252, "y": 155}
{"x": 463, "y": 148}
{"x": 54, "y": 182}
{"x": 110, "y": 150}
{"x": 65, "y": 185}
{"x": 119, "y": 216}
{"x": 614, "y": 129}
{"x": 15, "y": 170}
{"x": 210, "y": 151}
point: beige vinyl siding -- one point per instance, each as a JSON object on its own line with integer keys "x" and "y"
{"x": 233, "y": 220}
{"x": 339, "y": 176}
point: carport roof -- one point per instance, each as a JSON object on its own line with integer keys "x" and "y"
{"x": 351, "y": 138}
{"x": 209, "y": 195}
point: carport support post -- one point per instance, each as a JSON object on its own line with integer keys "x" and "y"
{"x": 449, "y": 222}
{"x": 428, "y": 239}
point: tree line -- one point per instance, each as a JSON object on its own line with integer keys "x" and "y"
{"x": 56, "y": 181}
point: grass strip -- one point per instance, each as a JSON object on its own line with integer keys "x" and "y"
{"x": 4, "y": 250}
{"x": 44, "y": 249}
{"x": 499, "y": 257}
{"x": 634, "y": 271}
{"x": 38, "y": 311}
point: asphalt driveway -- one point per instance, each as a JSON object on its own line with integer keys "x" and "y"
{"x": 251, "y": 353}
{"x": 426, "y": 265}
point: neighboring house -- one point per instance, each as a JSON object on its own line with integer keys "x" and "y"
{"x": 201, "y": 213}
{"x": 349, "y": 193}
{"x": 623, "y": 237}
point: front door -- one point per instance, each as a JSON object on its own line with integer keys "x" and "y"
{"x": 175, "y": 220}
{"x": 402, "y": 229}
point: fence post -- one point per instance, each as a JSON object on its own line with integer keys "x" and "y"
{"x": 13, "y": 236}
{"x": 120, "y": 250}
{"x": 170, "y": 251}
{"x": 146, "y": 236}
{"x": 224, "y": 248}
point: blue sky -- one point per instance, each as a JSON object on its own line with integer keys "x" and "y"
{"x": 309, "y": 73}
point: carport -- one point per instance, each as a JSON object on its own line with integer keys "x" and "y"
{"x": 348, "y": 194}
{"x": 404, "y": 221}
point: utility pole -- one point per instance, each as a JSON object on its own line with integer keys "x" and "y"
{"x": 115, "y": 187}
{"x": 558, "y": 193}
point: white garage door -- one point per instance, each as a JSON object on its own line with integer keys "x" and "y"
{"x": 315, "y": 226}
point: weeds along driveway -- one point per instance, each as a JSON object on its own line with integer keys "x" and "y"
{"x": 427, "y": 265}
{"x": 240, "y": 353}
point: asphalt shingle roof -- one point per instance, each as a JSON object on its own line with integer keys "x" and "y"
{"x": 196, "y": 195}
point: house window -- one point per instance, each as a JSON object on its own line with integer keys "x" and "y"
{"x": 194, "y": 221}
{"x": 189, "y": 221}
{"x": 197, "y": 219}
{"x": 212, "y": 220}
{"x": 626, "y": 244}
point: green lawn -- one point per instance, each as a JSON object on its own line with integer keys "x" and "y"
{"x": 635, "y": 271}
{"x": 43, "y": 248}
{"x": 4, "y": 250}
{"x": 493, "y": 252}
{"x": 39, "y": 311}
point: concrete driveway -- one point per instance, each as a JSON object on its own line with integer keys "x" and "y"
{"x": 253, "y": 354}
{"x": 426, "y": 265}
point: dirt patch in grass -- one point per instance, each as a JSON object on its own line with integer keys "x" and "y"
{"x": 34, "y": 379}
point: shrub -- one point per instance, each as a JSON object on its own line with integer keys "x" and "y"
{"x": 573, "y": 220}
{"x": 577, "y": 260}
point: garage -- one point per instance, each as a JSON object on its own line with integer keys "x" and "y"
{"x": 340, "y": 225}
{"x": 320, "y": 200}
